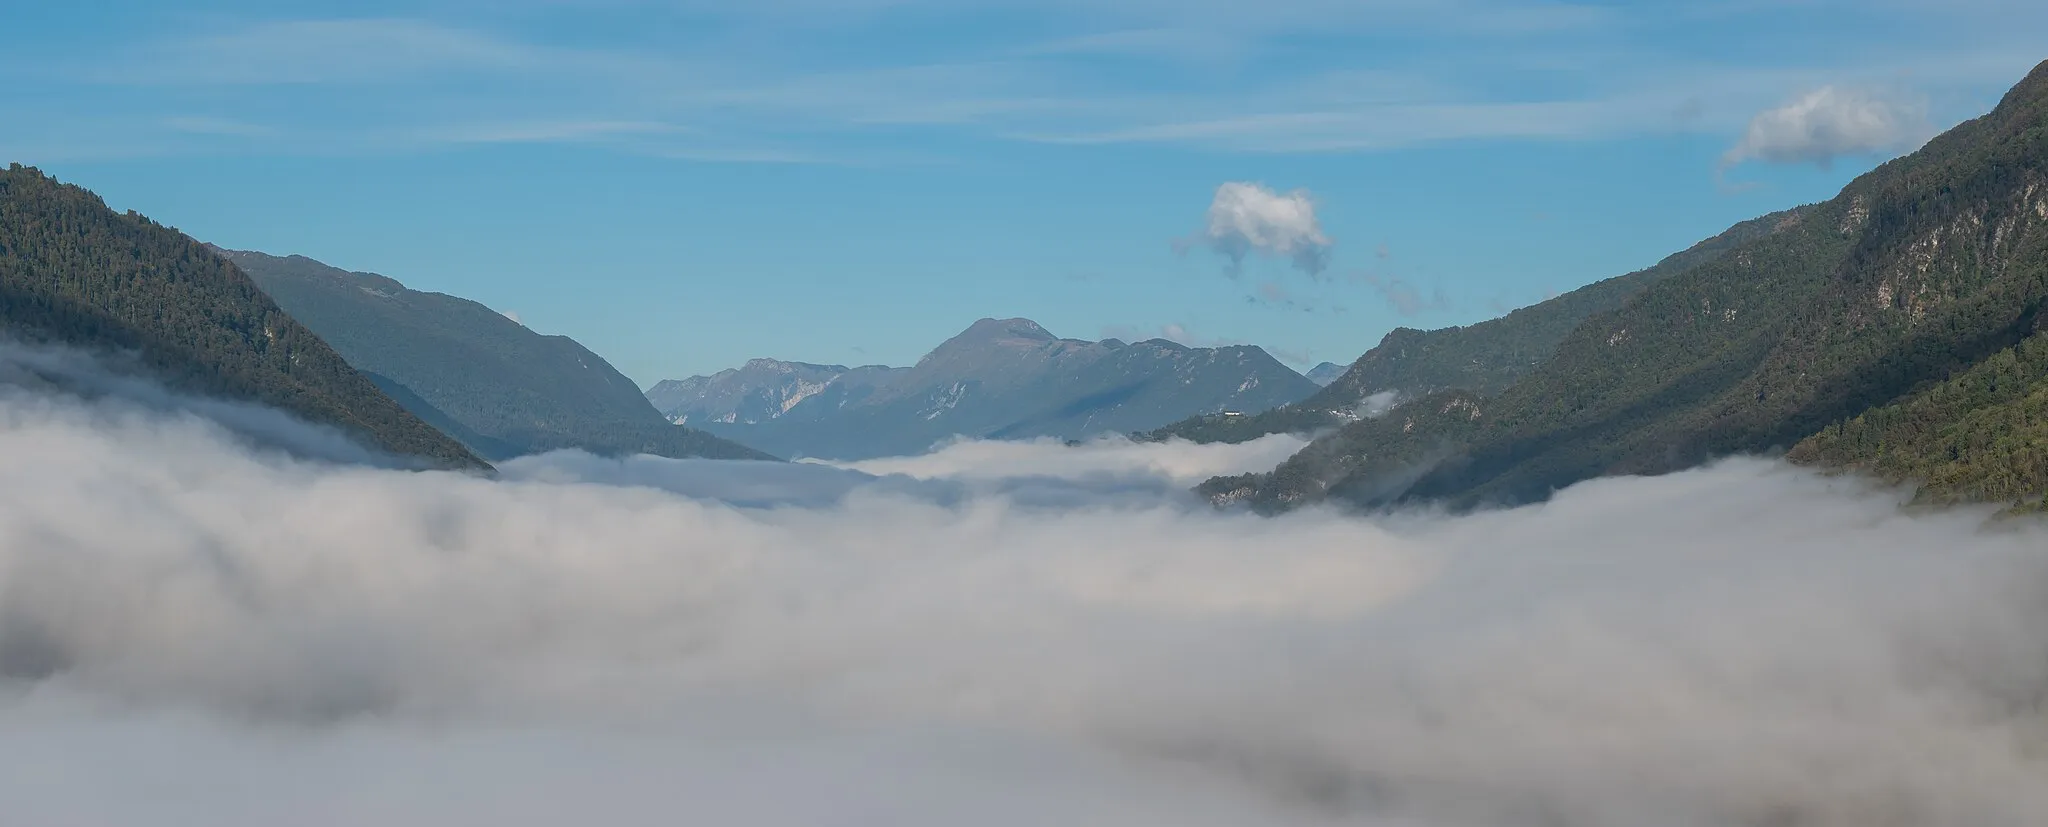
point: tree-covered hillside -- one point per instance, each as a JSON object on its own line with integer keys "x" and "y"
{"x": 1876, "y": 321}
{"x": 1981, "y": 436}
{"x": 503, "y": 389}
{"x": 1483, "y": 358}
{"x": 75, "y": 272}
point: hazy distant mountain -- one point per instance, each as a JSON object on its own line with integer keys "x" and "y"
{"x": 487, "y": 380}
{"x": 765, "y": 389}
{"x": 1004, "y": 378}
{"x": 1900, "y": 328}
{"x": 1325, "y": 373}
{"x": 74, "y": 272}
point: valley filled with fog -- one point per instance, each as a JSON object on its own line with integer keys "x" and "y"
{"x": 201, "y": 627}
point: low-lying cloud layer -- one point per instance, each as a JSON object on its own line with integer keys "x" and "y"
{"x": 1178, "y": 465}
{"x": 194, "y": 632}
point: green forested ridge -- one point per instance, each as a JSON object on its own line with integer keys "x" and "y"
{"x": 75, "y": 272}
{"x": 501, "y": 388}
{"x": 1980, "y": 437}
{"x": 1913, "y": 280}
{"x": 1483, "y": 358}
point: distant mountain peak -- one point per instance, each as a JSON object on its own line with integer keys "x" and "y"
{"x": 989, "y": 336}
{"x": 1325, "y": 373}
{"x": 995, "y": 329}
{"x": 997, "y": 379}
{"x": 779, "y": 366}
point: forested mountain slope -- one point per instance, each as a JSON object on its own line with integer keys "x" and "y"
{"x": 75, "y": 272}
{"x": 502, "y": 388}
{"x": 1483, "y": 358}
{"x": 1874, "y": 324}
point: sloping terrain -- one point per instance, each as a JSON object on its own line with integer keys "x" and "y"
{"x": 1874, "y": 324}
{"x": 502, "y": 388}
{"x": 73, "y": 271}
{"x": 1485, "y": 357}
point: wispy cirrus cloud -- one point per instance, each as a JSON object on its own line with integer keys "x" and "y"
{"x": 798, "y": 78}
{"x": 207, "y": 125}
{"x": 547, "y": 131}
{"x": 333, "y": 51}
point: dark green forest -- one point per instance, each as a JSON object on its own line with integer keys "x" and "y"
{"x": 1979, "y": 437}
{"x": 74, "y": 272}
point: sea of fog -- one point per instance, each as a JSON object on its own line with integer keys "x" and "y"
{"x": 196, "y": 629}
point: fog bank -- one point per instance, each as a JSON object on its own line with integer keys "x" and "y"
{"x": 196, "y": 631}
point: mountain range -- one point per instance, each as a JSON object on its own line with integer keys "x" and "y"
{"x": 998, "y": 379}
{"x": 1895, "y": 329}
{"x": 76, "y": 273}
{"x": 500, "y": 388}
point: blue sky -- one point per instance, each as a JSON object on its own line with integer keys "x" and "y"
{"x": 683, "y": 185}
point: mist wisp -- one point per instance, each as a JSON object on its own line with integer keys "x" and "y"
{"x": 193, "y": 631}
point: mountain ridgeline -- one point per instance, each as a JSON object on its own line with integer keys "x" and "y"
{"x": 499, "y": 387}
{"x": 1896, "y": 329}
{"x": 1325, "y": 373}
{"x": 76, "y": 273}
{"x": 999, "y": 379}
{"x": 1483, "y": 358}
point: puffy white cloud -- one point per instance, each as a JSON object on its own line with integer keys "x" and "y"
{"x": 1247, "y": 218}
{"x": 1831, "y": 122}
{"x": 195, "y": 632}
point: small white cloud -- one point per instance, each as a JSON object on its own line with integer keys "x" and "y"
{"x": 1831, "y": 122}
{"x": 513, "y": 315}
{"x": 1247, "y": 218}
